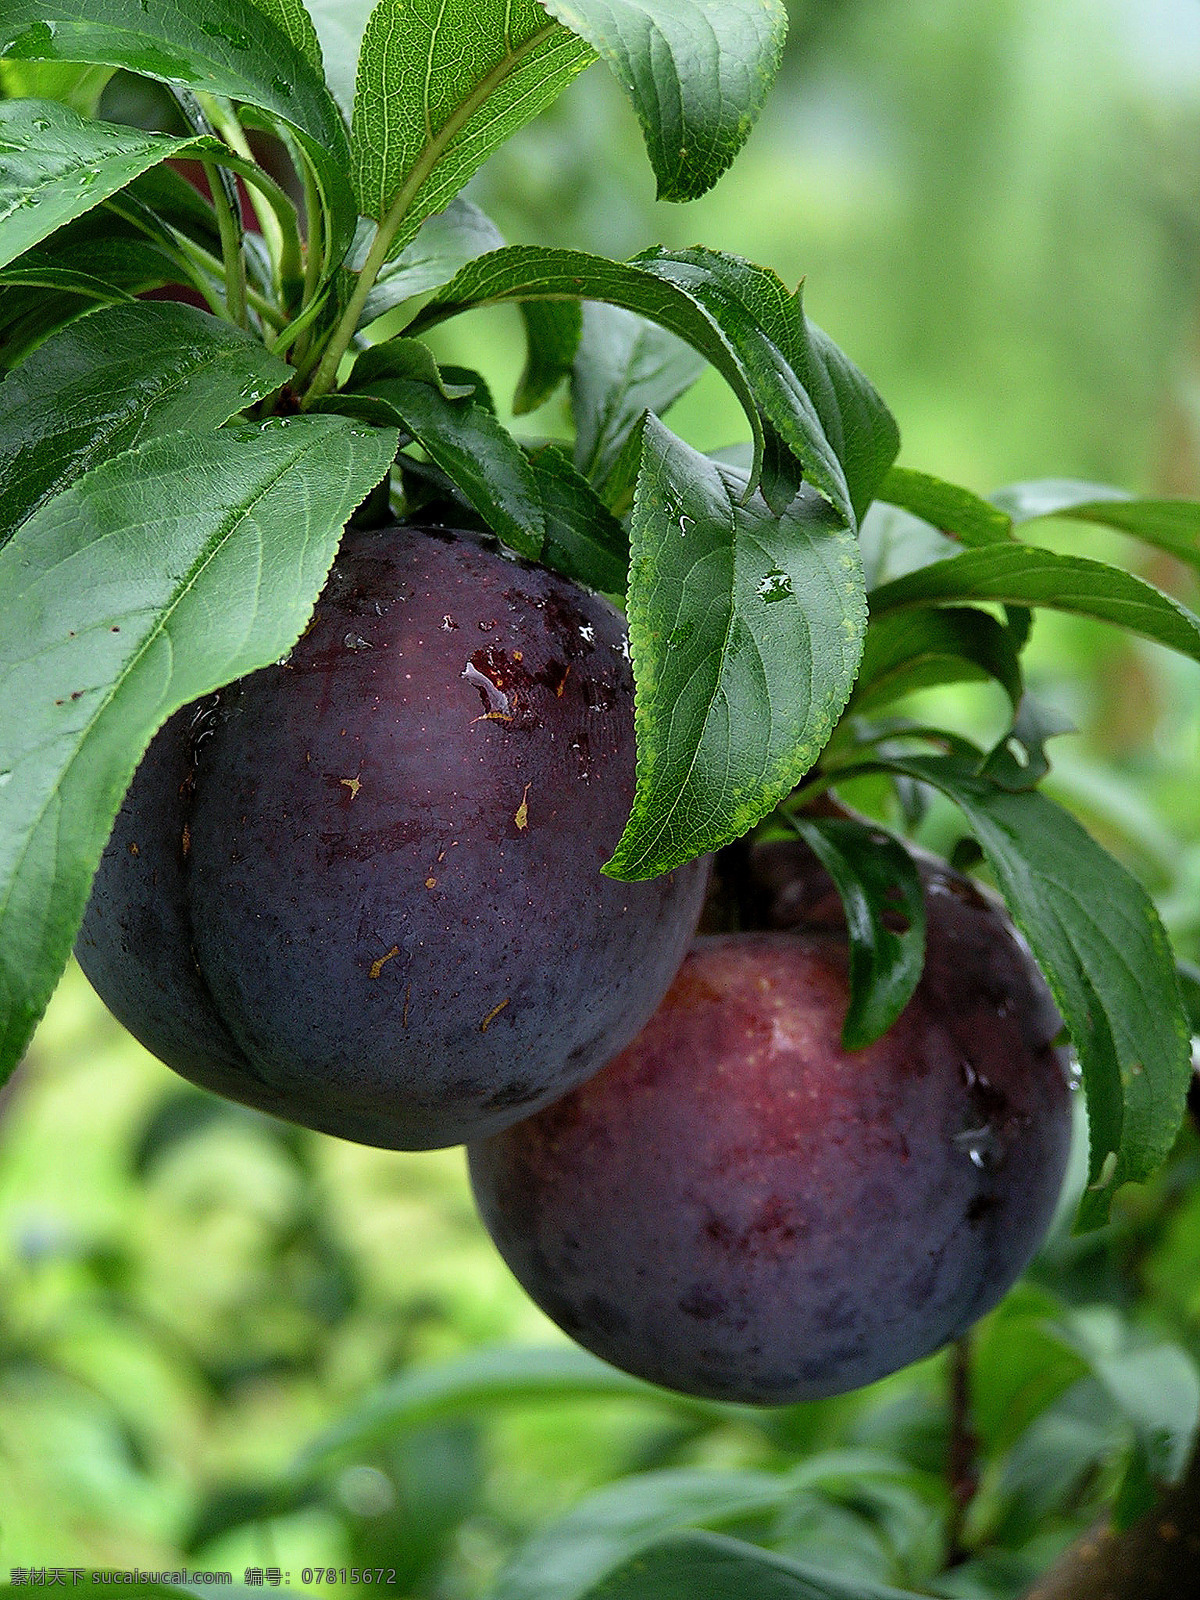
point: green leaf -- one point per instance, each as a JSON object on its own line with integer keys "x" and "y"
{"x": 63, "y": 279}
{"x": 101, "y": 255}
{"x": 946, "y": 506}
{"x": 57, "y": 166}
{"x": 161, "y": 575}
{"x": 624, "y": 367}
{"x": 76, "y": 85}
{"x": 696, "y": 73}
{"x": 444, "y": 244}
{"x": 1189, "y": 986}
{"x": 740, "y": 318}
{"x": 877, "y": 881}
{"x": 584, "y": 541}
{"x": 1101, "y": 946}
{"x": 460, "y": 436}
{"x": 473, "y": 1383}
{"x": 825, "y": 412}
{"x": 1024, "y": 575}
{"x": 746, "y": 630}
{"x": 767, "y": 327}
{"x": 442, "y": 83}
{"x": 409, "y": 358}
{"x": 290, "y": 17}
{"x": 122, "y": 376}
{"x": 1172, "y": 525}
{"x": 1019, "y": 760}
{"x": 119, "y": 242}
{"x": 894, "y": 542}
{"x": 29, "y": 314}
{"x": 904, "y": 652}
{"x": 709, "y": 1566}
{"x": 163, "y": 199}
{"x": 1021, "y": 1365}
{"x": 525, "y": 272}
{"x": 566, "y": 1560}
{"x": 552, "y": 329}
{"x": 234, "y": 50}
{"x": 860, "y": 427}
{"x": 1157, "y": 1390}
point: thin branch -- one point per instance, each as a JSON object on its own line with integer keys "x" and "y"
{"x": 962, "y": 1454}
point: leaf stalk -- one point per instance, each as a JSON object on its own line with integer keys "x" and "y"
{"x": 339, "y": 343}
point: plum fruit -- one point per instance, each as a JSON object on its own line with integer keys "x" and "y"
{"x": 361, "y": 889}
{"x": 737, "y": 1208}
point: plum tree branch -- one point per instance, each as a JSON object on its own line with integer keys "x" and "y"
{"x": 1157, "y": 1558}
{"x": 962, "y": 1454}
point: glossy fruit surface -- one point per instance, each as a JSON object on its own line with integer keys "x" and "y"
{"x": 737, "y": 1208}
{"x": 361, "y": 889}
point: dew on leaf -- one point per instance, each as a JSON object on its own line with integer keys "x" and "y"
{"x": 777, "y": 585}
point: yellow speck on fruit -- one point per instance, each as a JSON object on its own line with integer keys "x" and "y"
{"x": 431, "y": 883}
{"x": 492, "y": 1015}
{"x": 378, "y": 966}
{"x": 522, "y": 817}
{"x": 353, "y": 784}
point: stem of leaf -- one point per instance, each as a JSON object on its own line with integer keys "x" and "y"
{"x": 231, "y": 250}
{"x": 326, "y": 373}
{"x": 315, "y": 227}
{"x": 274, "y": 211}
{"x": 297, "y": 329}
{"x": 200, "y": 257}
{"x": 339, "y": 343}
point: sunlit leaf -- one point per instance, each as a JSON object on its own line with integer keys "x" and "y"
{"x": 234, "y": 49}
{"x": 1027, "y": 576}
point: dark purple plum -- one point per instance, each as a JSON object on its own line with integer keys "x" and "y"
{"x": 737, "y": 1208}
{"x": 361, "y": 889}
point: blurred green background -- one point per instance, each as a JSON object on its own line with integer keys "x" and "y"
{"x": 996, "y": 208}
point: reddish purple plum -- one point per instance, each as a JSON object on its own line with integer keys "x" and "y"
{"x": 737, "y": 1208}
{"x": 361, "y": 889}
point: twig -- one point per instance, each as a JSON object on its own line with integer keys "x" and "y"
{"x": 962, "y": 1453}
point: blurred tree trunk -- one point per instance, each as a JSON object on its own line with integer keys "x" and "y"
{"x": 1158, "y": 1558}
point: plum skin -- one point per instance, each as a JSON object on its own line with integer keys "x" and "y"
{"x": 361, "y": 889}
{"x": 738, "y": 1209}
